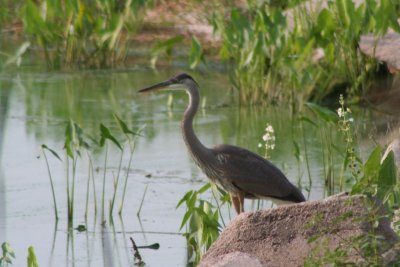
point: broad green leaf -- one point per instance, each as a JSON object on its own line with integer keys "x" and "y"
{"x": 371, "y": 171}
{"x": 325, "y": 23}
{"x": 68, "y": 140}
{"x": 196, "y": 53}
{"x": 185, "y": 219}
{"x": 305, "y": 119}
{"x": 106, "y": 134}
{"x": 51, "y": 151}
{"x": 184, "y": 198}
{"x": 164, "y": 47}
{"x": 123, "y": 126}
{"x": 323, "y": 113}
{"x": 373, "y": 163}
{"x": 387, "y": 176}
{"x": 204, "y": 188}
{"x": 342, "y": 12}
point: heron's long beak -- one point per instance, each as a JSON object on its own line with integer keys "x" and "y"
{"x": 157, "y": 86}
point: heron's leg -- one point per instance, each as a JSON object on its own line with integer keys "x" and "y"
{"x": 236, "y": 203}
{"x": 241, "y": 201}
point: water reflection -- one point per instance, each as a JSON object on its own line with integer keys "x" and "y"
{"x": 34, "y": 108}
{"x": 5, "y": 90}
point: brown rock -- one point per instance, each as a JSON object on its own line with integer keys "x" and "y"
{"x": 280, "y": 236}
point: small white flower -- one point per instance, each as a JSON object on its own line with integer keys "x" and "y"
{"x": 269, "y": 129}
{"x": 340, "y": 112}
{"x": 351, "y": 119}
{"x": 259, "y": 145}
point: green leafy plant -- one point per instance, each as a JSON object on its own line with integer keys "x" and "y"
{"x": 202, "y": 221}
{"x": 305, "y": 58}
{"x": 7, "y": 254}
{"x": 74, "y": 143}
{"x": 31, "y": 259}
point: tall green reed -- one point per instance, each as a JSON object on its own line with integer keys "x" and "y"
{"x": 74, "y": 144}
{"x": 90, "y": 33}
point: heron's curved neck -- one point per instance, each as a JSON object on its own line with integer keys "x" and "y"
{"x": 196, "y": 148}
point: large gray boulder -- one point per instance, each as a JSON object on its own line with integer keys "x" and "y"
{"x": 281, "y": 236}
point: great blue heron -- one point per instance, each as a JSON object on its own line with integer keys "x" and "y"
{"x": 242, "y": 173}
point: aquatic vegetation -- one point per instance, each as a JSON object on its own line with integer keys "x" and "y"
{"x": 82, "y": 32}
{"x": 44, "y": 148}
{"x": 202, "y": 221}
{"x": 131, "y": 138}
{"x": 345, "y": 126}
{"x": 164, "y": 47}
{"x": 7, "y": 254}
{"x": 31, "y": 260}
{"x": 275, "y": 58}
{"x": 379, "y": 179}
{"x": 76, "y": 142}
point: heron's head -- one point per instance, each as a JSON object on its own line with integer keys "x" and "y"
{"x": 180, "y": 81}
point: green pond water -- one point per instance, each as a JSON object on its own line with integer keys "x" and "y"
{"x": 35, "y": 106}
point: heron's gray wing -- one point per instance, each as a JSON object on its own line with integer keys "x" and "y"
{"x": 254, "y": 175}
